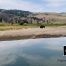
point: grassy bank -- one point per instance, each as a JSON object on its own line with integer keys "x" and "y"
{"x": 7, "y": 26}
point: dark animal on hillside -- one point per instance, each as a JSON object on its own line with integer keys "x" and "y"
{"x": 42, "y": 26}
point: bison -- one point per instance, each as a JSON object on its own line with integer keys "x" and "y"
{"x": 42, "y": 26}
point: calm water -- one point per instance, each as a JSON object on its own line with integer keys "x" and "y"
{"x": 32, "y": 52}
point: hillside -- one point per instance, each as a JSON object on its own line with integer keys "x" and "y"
{"x": 16, "y": 16}
{"x": 52, "y": 17}
{"x": 15, "y": 12}
{"x": 12, "y": 15}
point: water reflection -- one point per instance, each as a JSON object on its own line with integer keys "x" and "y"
{"x": 32, "y": 52}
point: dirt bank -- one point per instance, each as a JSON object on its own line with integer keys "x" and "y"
{"x": 32, "y": 33}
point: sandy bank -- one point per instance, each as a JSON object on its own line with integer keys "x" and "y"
{"x": 32, "y": 33}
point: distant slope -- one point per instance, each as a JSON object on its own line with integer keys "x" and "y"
{"x": 15, "y": 15}
{"x": 15, "y": 12}
{"x": 53, "y": 18}
{"x": 49, "y": 14}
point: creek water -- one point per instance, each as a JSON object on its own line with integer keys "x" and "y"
{"x": 33, "y": 52}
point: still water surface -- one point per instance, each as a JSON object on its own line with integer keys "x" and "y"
{"x": 32, "y": 52}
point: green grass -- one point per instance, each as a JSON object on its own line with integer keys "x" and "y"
{"x": 54, "y": 24}
{"x": 35, "y": 24}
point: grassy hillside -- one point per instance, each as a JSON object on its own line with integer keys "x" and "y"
{"x": 13, "y": 19}
{"x": 54, "y": 18}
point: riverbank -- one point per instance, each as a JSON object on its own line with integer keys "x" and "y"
{"x": 32, "y": 33}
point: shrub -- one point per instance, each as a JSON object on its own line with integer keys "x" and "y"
{"x": 21, "y": 23}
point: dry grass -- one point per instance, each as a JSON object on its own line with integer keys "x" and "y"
{"x": 13, "y": 27}
{"x": 33, "y": 33}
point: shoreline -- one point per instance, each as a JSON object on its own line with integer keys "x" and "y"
{"x": 32, "y": 33}
{"x": 29, "y": 37}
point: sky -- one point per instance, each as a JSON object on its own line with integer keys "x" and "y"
{"x": 35, "y": 5}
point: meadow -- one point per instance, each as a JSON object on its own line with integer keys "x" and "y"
{"x": 16, "y": 26}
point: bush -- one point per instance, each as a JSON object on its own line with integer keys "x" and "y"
{"x": 21, "y": 23}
